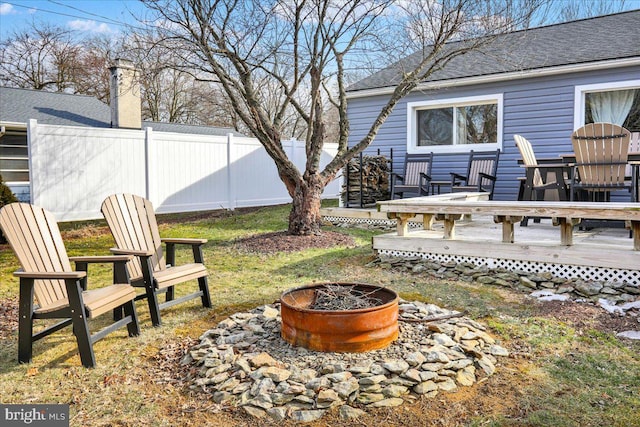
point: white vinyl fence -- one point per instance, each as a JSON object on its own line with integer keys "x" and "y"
{"x": 73, "y": 169}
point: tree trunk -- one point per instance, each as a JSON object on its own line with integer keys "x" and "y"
{"x": 304, "y": 219}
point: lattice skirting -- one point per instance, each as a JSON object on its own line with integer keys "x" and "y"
{"x": 369, "y": 221}
{"x": 599, "y": 274}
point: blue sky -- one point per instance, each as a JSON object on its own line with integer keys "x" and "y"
{"x": 91, "y": 16}
{"x": 95, "y": 16}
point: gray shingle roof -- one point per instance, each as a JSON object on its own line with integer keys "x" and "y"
{"x": 585, "y": 41}
{"x": 55, "y": 108}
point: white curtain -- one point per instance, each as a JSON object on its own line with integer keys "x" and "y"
{"x": 461, "y": 119}
{"x": 612, "y": 106}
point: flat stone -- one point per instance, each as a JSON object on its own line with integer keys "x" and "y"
{"x": 396, "y": 366}
{"x": 425, "y": 387}
{"x": 395, "y": 390}
{"x": 276, "y": 374}
{"x": 318, "y": 383}
{"x": 525, "y": 281}
{"x": 307, "y": 416}
{"x": 367, "y": 398}
{"x": 270, "y": 312}
{"x": 444, "y": 340}
{"x": 328, "y": 395}
{"x": 263, "y": 359}
{"x": 254, "y": 412}
{"x": 486, "y": 365}
{"x": 346, "y": 388}
{"x": 277, "y": 414}
{"x": 497, "y": 350}
{"x": 387, "y": 403}
{"x": 361, "y": 367}
{"x": 222, "y": 397}
{"x": 415, "y": 358}
{"x": 374, "y": 379}
{"x": 588, "y": 288}
{"x": 447, "y": 385}
{"x": 303, "y": 375}
{"x": 458, "y": 364}
{"x": 412, "y": 375}
{"x": 466, "y": 376}
{"x": 339, "y": 376}
{"x": 347, "y": 412}
{"x": 437, "y": 356}
{"x": 434, "y": 367}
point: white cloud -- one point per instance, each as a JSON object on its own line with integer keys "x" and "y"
{"x": 90, "y": 26}
{"x": 6, "y": 9}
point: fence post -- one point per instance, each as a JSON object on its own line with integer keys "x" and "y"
{"x": 148, "y": 137}
{"x": 231, "y": 194}
{"x": 32, "y": 137}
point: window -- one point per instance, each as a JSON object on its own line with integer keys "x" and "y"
{"x": 617, "y": 103}
{"x": 454, "y": 125}
{"x": 14, "y": 162}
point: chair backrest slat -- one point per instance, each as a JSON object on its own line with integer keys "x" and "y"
{"x": 414, "y": 165}
{"x": 480, "y": 162}
{"x": 133, "y": 224}
{"x": 35, "y": 238}
{"x": 528, "y": 158}
{"x": 602, "y": 151}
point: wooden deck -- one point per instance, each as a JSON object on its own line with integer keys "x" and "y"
{"x": 599, "y": 253}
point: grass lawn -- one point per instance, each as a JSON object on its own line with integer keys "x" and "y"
{"x": 561, "y": 372}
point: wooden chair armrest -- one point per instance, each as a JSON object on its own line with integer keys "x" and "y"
{"x": 183, "y": 241}
{"x": 50, "y": 274}
{"x": 487, "y": 176}
{"x": 397, "y": 176}
{"x": 134, "y": 252}
{"x": 100, "y": 258}
{"x": 457, "y": 178}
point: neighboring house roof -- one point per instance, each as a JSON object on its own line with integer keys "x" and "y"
{"x": 601, "y": 39}
{"x": 52, "y": 108}
{"x": 56, "y": 108}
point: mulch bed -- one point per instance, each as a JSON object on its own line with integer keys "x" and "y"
{"x": 583, "y": 316}
{"x": 280, "y": 241}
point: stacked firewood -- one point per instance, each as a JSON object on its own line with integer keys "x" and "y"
{"x": 375, "y": 181}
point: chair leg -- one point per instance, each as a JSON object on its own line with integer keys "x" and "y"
{"x": 133, "y": 327}
{"x": 204, "y": 287}
{"x": 171, "y": 293}
{"x": 152, "y": 296}
{"x": 118, "y": 313}
{"x": 25, "y": 324}
{"x": 154, "y": 307}
{"x": 80, "y": 324}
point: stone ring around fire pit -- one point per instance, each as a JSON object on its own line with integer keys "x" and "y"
{"x": 340, "y": 317}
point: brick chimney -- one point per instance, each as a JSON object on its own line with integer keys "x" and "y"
{"x": 126, "y": 110}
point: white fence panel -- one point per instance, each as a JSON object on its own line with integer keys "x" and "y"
{"x": 254, "y": 176}
{"x": 73, "y": 169}
{"x": 189, "y": 173}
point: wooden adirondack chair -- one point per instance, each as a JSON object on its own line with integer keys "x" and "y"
{"x": 601, "y": 151}
{"x": 416, "y": 177}
{"x": 481, "y": 173}
{"x": 60, "y": 292}
{"x": 541, "y": 177}
{"x": 133, "y": 224}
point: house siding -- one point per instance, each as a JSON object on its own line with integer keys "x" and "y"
{"x": 541, "y": 109}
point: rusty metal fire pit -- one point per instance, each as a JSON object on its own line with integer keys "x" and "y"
{"x": 345, "y": 331}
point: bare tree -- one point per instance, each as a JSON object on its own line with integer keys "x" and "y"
{"x": 305, "y": 49}
{"x": 42, "y": 57}
{"x": 91, "y": 76}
